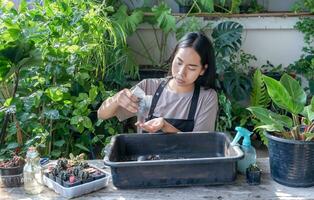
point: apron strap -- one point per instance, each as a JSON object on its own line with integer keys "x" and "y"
{"x": 194, "y": 102}
{"x": 156, "y": 96}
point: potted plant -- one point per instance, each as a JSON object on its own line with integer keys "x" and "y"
{"x": 253, "y": 175}
{"x": 290, "y": 136}
{"x": 11, "y": 171}
{"x": 184, "y": 5}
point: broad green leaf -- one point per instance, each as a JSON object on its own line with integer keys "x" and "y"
{"x": 87, "y": 123}
{"x": 281, "y": 96}
{"x": 270, "y": 128}
{"x": 270, "y": 118}
{"x": 82, "y": 97}
{"x": 54, "y": 93}
{"x": 294, "y": 89}
{"x": 206, "y": 5}
{"x": 52, "y": 114}
{"x": 235, "y": 6}
{"x": 93, "y": 93}
{"x": 259, "y": 95}
{"x": 312, "y": 104}
{"x": 59, "y": 143}
{"x": 8, "y": 5}
{"x": 111, "y": 131}
{"x": 308, "y": 113}
{"x": 8, "y": 102}
{"x": 128, "y": 23}
{"x": 227, "y": 37}
{"x": 56, "y": 153}
{"x": 22, "y": 6}
{"x": 76, "y": 120}
{"x": 12, "y": 145}
{"x": 163, "y": 17}
{"x": 97, "y": 138}
{"x": 82, "y": 147}
{"x": 72, "y": 49}
{"x": 4, "y": 69}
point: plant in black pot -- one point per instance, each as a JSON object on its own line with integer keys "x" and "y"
{"x": 184, "y": 5}
{"x": 253, "y": 175}
{"x": 290, "y": 137}
{"x": 11, "y": 171}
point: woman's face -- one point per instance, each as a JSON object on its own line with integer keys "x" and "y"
{"x": 186, "y": 67}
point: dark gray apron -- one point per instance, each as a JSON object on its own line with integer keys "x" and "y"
{"x": 184, "y": 125}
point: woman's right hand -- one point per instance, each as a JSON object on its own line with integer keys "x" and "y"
{"x": 127, "y": 100}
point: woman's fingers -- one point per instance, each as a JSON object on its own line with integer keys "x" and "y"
{"x": 129, "y": 105}
{"x": 129, "y": 94}
{"x": 128, "y": 101}
{"x": 149, "y": 128}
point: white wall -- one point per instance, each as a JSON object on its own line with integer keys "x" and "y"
{"x": 268, "y": 38}
{"x": 272, "y": 38}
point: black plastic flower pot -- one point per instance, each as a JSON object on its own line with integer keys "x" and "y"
{"x": 98, "y": 175}
{"x": 59, "y": 180}
{"x": 12, "y": 176}
{"x": 52, "y": 177}
{"x": 89, "y": 179}
{"x": 291, "y": 161}
{"x": 253, "y": 177}
{"x": 184, "y": 9}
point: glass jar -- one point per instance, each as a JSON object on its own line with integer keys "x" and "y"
{"x": 32, "y": 172}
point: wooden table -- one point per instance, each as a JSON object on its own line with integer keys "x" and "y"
{"x": 268, "y": 189}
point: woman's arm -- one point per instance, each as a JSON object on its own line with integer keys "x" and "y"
{"x": 124, "y": 98}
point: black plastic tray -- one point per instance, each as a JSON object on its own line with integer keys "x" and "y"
{"x": 204, "y": 158}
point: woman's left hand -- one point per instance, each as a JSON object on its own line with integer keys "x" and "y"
{"x": 152, "y": 125}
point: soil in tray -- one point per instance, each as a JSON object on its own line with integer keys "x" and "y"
{"x": 128, "y": 158}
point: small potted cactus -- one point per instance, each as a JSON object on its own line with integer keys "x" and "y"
{"x": 73, "y": 171}
{"x": 253, "y": 175}
{"x": 98, "y": 175}
{"x": 62, "y": 176}
{"x": 11, "y": 171}
{"x": 73, "y": 181}
{"x": 84, "y": 176}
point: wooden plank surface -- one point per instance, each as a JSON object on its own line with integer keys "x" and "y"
{"x": 268, "y": 189}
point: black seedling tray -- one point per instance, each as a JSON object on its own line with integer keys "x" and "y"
{"x": 163, "y": 160}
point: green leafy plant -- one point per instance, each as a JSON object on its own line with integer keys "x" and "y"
{"x": 302, "y": 5}
{"x": 288, "y": 95}
{"x": 84, "y": 60}
{"x": 192, "y": 24}
{"x": 15, "y": 161}
{"x": 258, "y": 97}
{"x": 304, "y": 67}
{"x": 162, "y": 23}
{"x": 253, "y": 168}
{"x": 224, "y": 116}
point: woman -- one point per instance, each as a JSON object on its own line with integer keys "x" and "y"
{"x": 185, "y": 102}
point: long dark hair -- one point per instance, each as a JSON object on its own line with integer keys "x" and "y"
{"x": 203, "y": 46}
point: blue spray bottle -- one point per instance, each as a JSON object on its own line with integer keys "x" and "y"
{"x": 247, "y": 148}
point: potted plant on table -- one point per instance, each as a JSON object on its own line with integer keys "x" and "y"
{"x": 184, "y": 5}
{"x": 253, "y": 175}
{"x": 291, "y": 136}
{"x": 11, "y": 171}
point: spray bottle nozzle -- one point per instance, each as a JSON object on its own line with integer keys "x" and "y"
{"x": 242, "y": 132}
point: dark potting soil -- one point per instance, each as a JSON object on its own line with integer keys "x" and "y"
{"x": 128, "y": 158}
